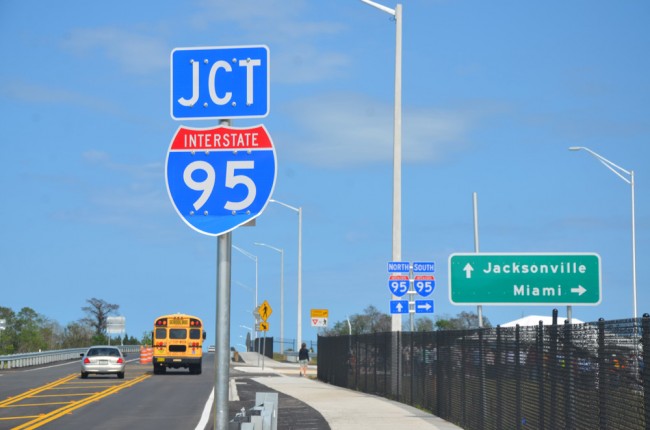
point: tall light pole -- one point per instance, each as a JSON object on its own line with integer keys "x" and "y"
{"x": 299, "y": 211}
{"x": 254, "y": 258}
{"x": 397, "y": 143}
{"x": 254, "y": 306}
{"x": 628, "y": 177}
{"x": 281, "y": 251}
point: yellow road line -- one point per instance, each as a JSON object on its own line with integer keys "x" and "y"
{"x": 40, "y": 404}
{"x": 76, "y": 388}
{"x": 24, "y": 417}
{"x": 58, "y": 413}
{"x": 42, "y": 396}
{"x": 29, "y": 393}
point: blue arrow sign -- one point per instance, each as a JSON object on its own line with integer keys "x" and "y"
{"x": 424, "y": 306}
{"x": 220, "y": 178}
{"x": 399, "y": 306}
{"x": 220, "y": 82}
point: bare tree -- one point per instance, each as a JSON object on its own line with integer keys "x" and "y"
{"x": 97, "y": 314}
{"x": 371, "y": 321}
{"x": 424, "y": 324}
{"x": 463, "y": 321}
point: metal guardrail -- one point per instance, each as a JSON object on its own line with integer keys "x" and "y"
{"x": 13, "y": 361}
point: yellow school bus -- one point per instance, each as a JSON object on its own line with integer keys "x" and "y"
{"x": 178, "y": 342}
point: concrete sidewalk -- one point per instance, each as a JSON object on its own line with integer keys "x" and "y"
{"x": 343, "y": 409}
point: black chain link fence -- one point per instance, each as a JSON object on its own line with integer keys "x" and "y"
{"x": 567, "y": 376}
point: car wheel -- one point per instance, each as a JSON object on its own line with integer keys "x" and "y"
{"x": 120, "y": 375}
{"x": 84, "y": 375}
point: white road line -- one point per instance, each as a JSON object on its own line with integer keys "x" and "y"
{"x": 205, "y": 416}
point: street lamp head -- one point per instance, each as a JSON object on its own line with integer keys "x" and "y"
{"x": 575, "y": 148}
{"x": 380, "y": 7}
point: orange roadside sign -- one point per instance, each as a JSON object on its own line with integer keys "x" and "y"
{"x": 319, "y": 313}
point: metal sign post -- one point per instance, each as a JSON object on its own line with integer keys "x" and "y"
{"x": 220, "y": 178}
{"x": 222, "y": 331}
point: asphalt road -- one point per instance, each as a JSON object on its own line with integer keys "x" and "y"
{"x": 56, "y": 398}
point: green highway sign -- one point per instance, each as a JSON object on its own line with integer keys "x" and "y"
{"x": 524, "y": 279}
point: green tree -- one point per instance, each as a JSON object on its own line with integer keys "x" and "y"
{"x": 76, "y": 335}
{"x": 52, "y": 334}
{"x": 29, "y": 333}
{"x": 8, "y": 335}
{"x": 146, "y": 338}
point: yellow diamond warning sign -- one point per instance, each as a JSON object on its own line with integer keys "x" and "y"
{"x": 265, "y": 310}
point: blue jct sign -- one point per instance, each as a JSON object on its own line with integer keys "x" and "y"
{"x": 220, "y": 82}
{"x": 220, "y": 178}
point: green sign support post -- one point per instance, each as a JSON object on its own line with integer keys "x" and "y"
{"x": 525, "y": 279}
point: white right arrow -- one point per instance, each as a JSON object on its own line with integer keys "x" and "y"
{"x": 580, "y": 290}
{"x": 468, "y": 270}
{"x": 425, "y": 306}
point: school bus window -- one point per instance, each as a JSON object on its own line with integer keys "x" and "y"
{"x": 177, "y": 333}
{"x": 195, "y": 333}
{"x": 161, "y": 333}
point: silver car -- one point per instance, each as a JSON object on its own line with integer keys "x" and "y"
{"x": 103, "y": 360}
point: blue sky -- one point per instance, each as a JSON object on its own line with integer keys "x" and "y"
{"x": 493, "y": 95}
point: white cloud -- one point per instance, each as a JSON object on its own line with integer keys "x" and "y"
{"x": 37, "y": 94}
{"x": 135, "y": 53}
{"x": 298, "y": 55}
{"x": 344, "y": 130}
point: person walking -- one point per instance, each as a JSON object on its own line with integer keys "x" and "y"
{"x": 303, "y": 359}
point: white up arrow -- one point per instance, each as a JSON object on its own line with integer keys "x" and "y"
{"x": 468, "y": 270}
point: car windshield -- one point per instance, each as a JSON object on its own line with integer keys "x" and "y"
{"x": 110, "y": 352}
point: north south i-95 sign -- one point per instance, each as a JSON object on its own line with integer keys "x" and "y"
{"x": 528, "y": 278}
{"x": 220, "y": 178}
